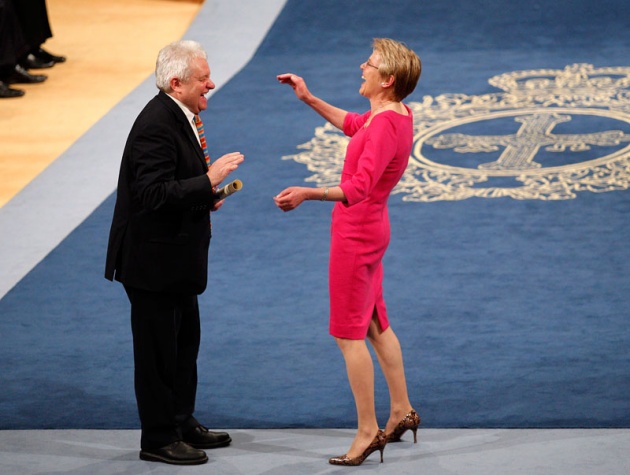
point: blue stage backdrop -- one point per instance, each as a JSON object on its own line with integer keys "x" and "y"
{"x": 507, "y": 278}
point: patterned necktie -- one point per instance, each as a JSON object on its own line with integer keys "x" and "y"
{"x": 202, "y": 138}
{"x": 204, "y": 146}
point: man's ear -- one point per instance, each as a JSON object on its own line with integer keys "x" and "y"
{"x": 175, "y": 84}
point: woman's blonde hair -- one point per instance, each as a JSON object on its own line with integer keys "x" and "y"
{"x": 401, "y": 62}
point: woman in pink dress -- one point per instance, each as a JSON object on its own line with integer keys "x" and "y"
{"x": 376, "y": 158}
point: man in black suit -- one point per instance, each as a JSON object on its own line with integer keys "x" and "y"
{"x": 158, "y": 249}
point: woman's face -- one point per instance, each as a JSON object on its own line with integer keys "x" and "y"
{"x": 372, "y": 78}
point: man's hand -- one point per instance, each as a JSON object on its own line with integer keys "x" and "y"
{"x": 222, "y": 167}
{"x": 217, "y": 205}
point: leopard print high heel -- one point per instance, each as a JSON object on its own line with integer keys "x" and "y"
{"x": 378, "y": 443}
{"x": 410, "y": 422}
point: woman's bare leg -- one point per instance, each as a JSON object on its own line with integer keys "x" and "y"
{"x": 389, "y": 354}
{"x": 360, "y": 370}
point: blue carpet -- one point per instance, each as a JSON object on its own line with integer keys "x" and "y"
{"x": 511, "y": 312}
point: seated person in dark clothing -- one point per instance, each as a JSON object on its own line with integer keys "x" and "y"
{"x": 12, "y": 46}
{"x": 33, "y": 18}
{"x": 24, "y": 27}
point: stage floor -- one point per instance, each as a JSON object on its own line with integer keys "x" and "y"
{"x": 305, "y": 451}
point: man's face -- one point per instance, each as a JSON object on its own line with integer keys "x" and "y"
{"x": 192, "y": 93}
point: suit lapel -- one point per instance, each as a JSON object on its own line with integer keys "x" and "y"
{"x": 185, "y": 127}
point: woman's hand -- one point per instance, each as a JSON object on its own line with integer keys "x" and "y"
{"x": 290, "y": 198}
{"x": 298, "y": 85}
{"x": 332, "y": 114}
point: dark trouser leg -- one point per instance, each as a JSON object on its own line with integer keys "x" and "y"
{"x": 166, "y": 336}
{"x": 188, "y": 341}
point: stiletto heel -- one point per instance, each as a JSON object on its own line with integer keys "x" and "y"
{"x": 379, "y": 443}
{"x": 410, "y": 422}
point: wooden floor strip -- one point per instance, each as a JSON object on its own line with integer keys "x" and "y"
{"x": 111, "y": 46}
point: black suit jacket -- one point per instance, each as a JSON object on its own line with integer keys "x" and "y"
{"x": 161, "y": 231}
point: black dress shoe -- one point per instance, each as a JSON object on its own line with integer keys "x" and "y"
{"x": 22, "y": 76}
{"x": 6, "y": 91}
{"x": 33, "y": 62}
{"x": 44, "y": 55}
{"x": 202, "y": 438}
{"x": 177, "y": 453}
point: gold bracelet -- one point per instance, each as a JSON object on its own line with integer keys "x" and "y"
{"x": 325, "y": 195}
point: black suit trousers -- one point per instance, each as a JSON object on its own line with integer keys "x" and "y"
{"x": 166, "y": 335}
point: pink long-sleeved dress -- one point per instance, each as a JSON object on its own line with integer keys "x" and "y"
{"x": 376, "y": 159}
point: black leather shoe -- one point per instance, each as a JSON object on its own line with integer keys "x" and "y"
{"x": 202, "y": 438}
{"x": 33, "y": 62}
{"x": 177, "y": 453}
{"x": 6, "y": 91}
{"x": 44, "y": 55}
{"x": 22, "y": 76}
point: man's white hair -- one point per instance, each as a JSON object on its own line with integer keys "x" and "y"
{"x": 174, "y": 61}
